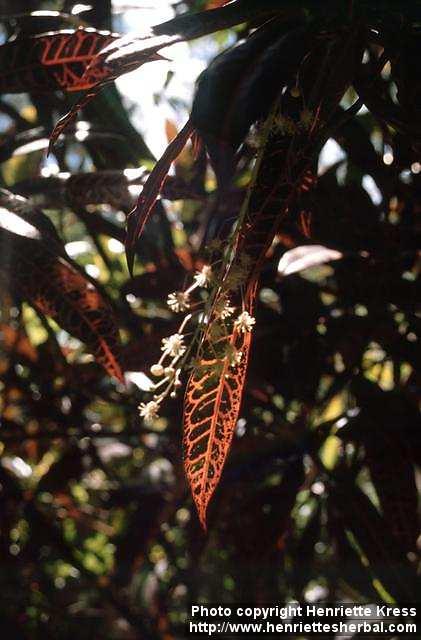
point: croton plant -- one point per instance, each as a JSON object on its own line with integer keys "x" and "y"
{"x": 240, "y": 338}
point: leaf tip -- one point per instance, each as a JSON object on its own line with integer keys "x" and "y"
{"x": 130, "y": 256}
{"x": 202, "y": 514}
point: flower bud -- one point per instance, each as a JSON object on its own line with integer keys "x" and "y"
{"x": 157, "y": 370}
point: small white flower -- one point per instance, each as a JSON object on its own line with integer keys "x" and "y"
{"x": 223, "y": 310}
{"x": 203, "y": 277}
{"x": 245, "y": 322}
{"x": 174, "y": 345}
{"x": 149, "y": 411}
{"x": 178, "y": 301}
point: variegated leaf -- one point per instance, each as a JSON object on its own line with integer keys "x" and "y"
{"x": 56, "y": 60}
{"x": 211, "y": 407}
{"x": 34, "y": 267}
{"x": 140, "y": 214}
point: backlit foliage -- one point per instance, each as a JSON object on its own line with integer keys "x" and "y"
{"x": 208, "y": 360}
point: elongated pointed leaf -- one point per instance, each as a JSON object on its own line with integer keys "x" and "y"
{"x": 196, "y": 25}
{"x": 71, "y": 116}
{"x": 240, "y": 85}
{"x": 31, "y": 267}
{"x": 51, "y": 61}
{"x": 140, "y": 214}
{"x": 211, "y": 408}
{"x": 107, "y": 65}
{"x": 213, "y": 395}
{"x": 128, "y": 53}
{"x": 119, "y": 189}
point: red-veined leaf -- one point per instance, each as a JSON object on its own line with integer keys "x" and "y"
{"x": 56, "y": 60}
{"x": 127, "y": 54}
{"x": 112, "y": 61}
{"x": 214, "y": 391}
{"x": 33, "y": 267}
{"x": 79, "y": 308}
{"x": 211, "y": 407}
{"x": 140, "y": 214}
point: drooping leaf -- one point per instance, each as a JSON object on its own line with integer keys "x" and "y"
{"x": 119, "y": 189}
{"x": 111, "y": 62}
{"x": 139, "y": 216}
{"x": 71, "y": 115}
{"x": 196, "y": 25}
{"x": 52, "y": 61}
{"x": 211, "y": 408}
{"x": 239, "y": 87}
{"x": 128, "y": 53}
{"x": 25, "y": 212}
{"x": 32, "y": 268}
{"x": 212, "y": 405}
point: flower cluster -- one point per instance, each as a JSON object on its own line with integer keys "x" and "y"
{"x": 287, "y": 126}
{"x": 173, "y": 349}
{"x": 223, "y": 308}
{"x": 179, "y": 301}
{"x": 245, "y": 322}
{"x": 219, "y": 319}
